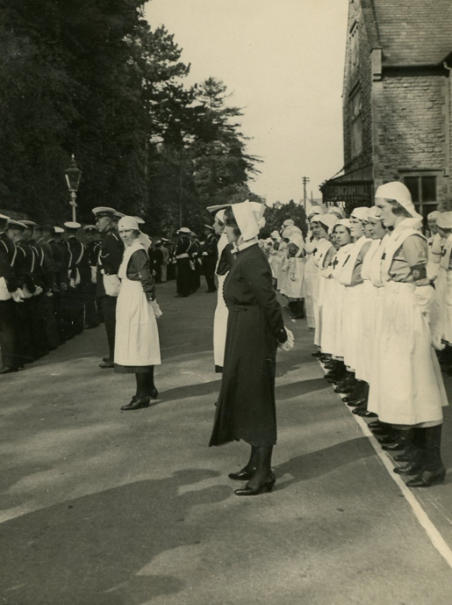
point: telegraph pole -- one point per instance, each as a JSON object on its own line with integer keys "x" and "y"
{"x": 306, "y": 180}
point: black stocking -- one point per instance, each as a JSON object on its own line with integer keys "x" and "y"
{"x": 141, "y": 385}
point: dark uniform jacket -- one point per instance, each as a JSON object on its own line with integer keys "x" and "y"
{"x": 110, "y": 257}
{"x": 7, "y": 253}
{"x": 139, "y": 269}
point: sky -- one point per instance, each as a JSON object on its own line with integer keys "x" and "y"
{"x": 283, "y": 61}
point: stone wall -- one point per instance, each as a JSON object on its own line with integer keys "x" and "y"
{"x": 410, "y": 128}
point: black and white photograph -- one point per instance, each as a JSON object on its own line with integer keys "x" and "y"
{"x": 225, "y": 302}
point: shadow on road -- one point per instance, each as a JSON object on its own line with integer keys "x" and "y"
{"x": 91, "y": 550}
{"x": 300, "y": 388}
{"x": 192, "y": 390}
{"x": 322, "y": 462}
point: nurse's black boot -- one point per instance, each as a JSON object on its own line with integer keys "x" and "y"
{"x": 248, "y": 470}
{"x": 263, "y": 479}
{"x": 141, "y": 399}
{"x": 433, "y": 469}
{"x": 151, "y": 389}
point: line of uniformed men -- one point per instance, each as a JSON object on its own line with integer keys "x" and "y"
{"x": 46, "y": 292}
{"x": 194, "y": 258}
{"x": 381, "y": 302}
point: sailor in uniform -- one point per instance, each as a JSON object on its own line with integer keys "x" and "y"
{"x": 108, "y": 262}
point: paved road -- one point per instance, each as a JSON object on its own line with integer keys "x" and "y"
{"x": 102, "y": 507}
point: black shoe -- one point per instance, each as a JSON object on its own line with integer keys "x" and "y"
{"x": 106, "y": 364}
{"x": 375, "y": 424}
{"x": 317, "y": 354}
{"x": 137, "y": 404}
{"x": 243, "y": 475}
{"x": 263, "y": 488}
{"x": 154, "y": 394}
{"x": 7, "y": 370}
{"x": 394, "y": 447}
{"x": 428, "y": 478}
{"x": 413, "y": 468}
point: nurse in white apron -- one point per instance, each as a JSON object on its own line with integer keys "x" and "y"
{"x": 137, "y": 346}
{"x": 441, "y": 311}
{"x": 310, "y": 271}
{"x": 322, "y": 257}
{"x": 406, "y": 387}
{"x": 222, "y": 269}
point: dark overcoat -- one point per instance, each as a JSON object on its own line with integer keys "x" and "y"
{"x": 246, "y": 405}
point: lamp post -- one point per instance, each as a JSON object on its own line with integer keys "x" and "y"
{"x": 73, "y": 175}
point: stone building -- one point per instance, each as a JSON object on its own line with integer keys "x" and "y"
{"x": 397, "y": 102}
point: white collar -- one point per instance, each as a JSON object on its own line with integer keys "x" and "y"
{"x": 245, "y": 245}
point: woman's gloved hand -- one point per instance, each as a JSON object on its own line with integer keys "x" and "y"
{"x": 290, "y": 341}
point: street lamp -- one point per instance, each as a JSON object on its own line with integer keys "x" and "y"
{"x": 73, "y": 175}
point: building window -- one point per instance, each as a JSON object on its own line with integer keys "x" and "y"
{"x": 356, "y": 116}
{"x": 423, "y": 189}
{"x": 354, "y": 49}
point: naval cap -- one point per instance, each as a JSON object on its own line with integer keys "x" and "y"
{"x": 13, "y": 224}
{"x": 184, "y": 230}
{"x": 29, "y": 223}
{"x": 100, "y": 211}
{"x": 57, "y": 229}
{"x": 72, "y": 225}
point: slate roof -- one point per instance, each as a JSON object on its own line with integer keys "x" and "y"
{"x": 414, "y": 32}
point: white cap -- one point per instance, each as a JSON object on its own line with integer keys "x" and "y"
{"x": 360, "y": 214}
{"x": 328, "y": 220}
{"x": 374, "y": 214}
{"x": 336, "y": 211}
{"x": 345, "y": 222}
{"x": 288, "y": 222}
{"x": 444, "y": 220}
{"x": 140, "y": 220}
{"x": 400, "y": 193}
{"x": 128, "y": 222}
{"x": 58, "y": 229}
{"x": 71, "y": 225}
{"x": 185, "y": 230}
{"x": 433, "y": 216}
{"x": 250, "y": 218}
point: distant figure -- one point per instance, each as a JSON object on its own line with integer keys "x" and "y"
{"x": 209, "y": 255}
{"x": 165, "y": 259}
{"x": 184, "y": 280}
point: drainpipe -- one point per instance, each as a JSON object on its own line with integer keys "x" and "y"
{"x": 448, "y": 118}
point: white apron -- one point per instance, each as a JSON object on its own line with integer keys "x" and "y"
{"x": 323, "y": 247}
{"x": 220, "y": 321}
{"x": 137, "y": 338}
{"x": 406, "y": 386}
{"x": 293, "y": 287}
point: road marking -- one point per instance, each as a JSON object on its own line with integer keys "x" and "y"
{"x": 424, "y": 520}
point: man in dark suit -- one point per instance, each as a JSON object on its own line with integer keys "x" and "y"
{"x": 209, "y": 254}
{"x": 110, "y": 257}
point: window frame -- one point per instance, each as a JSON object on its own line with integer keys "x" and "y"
{"x": 423, "y": 207}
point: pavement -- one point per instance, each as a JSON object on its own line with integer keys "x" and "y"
{"x": 103, "y": 507}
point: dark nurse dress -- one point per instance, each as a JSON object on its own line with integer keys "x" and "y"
{"x": 246, "y": 404}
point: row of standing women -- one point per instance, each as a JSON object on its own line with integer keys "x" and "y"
{"x": 377, "y": 315}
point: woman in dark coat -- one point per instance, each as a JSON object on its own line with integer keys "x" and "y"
{"x": 246, "y": 405}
